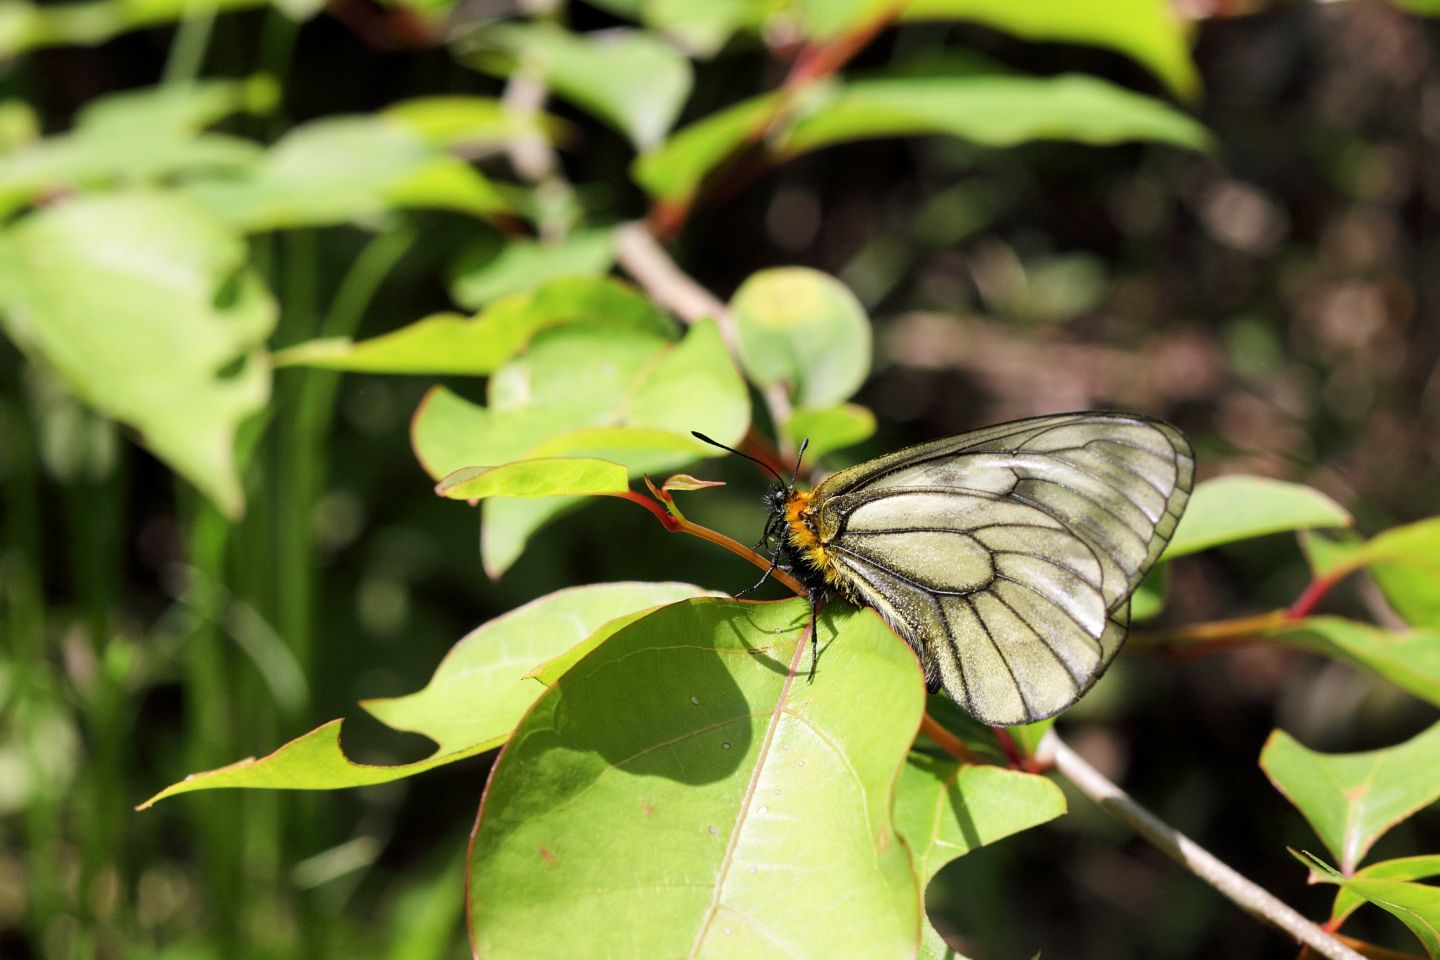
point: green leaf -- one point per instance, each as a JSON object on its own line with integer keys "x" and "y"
{"x": 700, "y": 27}
{"x": 944, "y": 810}
{"x": 675, "y": 169}
{"x": 140, "y": 136}
{"x": 830, "y": 428}
{"x": 1405, "y": 562}
{"x": 686, "y": 735}
{"x": 1227, "y": 509}
{"x": 618, "y": 394}
{"x": 1417, "y": 905}
{"x": 1404, "y": 868}
{"x": 804, "y": 329}
{"x": 1148, "y": 31}
{"x": 626, "y": 78}
{"x": 523, "y": 265}
{"x": 470, "y": 705}
{"x": 993, "y": 110}
{"x": 143, "y": 303}
{"x": 1427, "y": 8}
{"x": 1410, "y": 659}
{"x": 1149, "y": 598}
{"x": 448, "y": 343}
{"x": 28, "y": 26}
{"x": 342, "y": 169}
{"x": 1352, "y": 799}
{"x": 540, "y": 477}
{"x": 468, "y": 121}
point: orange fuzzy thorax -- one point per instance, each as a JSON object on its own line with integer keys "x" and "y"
{"x": 803, "y": 538}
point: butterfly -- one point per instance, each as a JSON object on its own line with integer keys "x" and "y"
{"x": 1006, "y": 557}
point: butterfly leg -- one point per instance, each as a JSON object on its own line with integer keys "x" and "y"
{"x": 815, "y": 599}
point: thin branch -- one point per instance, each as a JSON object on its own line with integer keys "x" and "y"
{"x": 641, "y": 256}
{"x": 1251, "y": 898}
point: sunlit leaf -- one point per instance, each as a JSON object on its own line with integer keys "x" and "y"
{"x": 1410, "y": 659}
{"x": 523, "y": 265}
{"x": 453, "y": 344}
{"x": 676, "y": 168}
{"x": 699, "y": 26}
{"x": 688, "y": 736}
{"x": 539, "y": 477}
{"x": 1417, "y": 905}
{"x": 1405, "y": 868}
{"x": 1352, "y": 799}
{"x": 683, "y": 481}
{"x": 804, "y": 329}
{"x": 1227, "y": 509}
{"x": 830, "y": 428}
{"x": 143, "y": 303}
{"x": 1405, "y": 562}
{"x": 629, "y": 79}
{"x": 468, "y": 121}
{"x": 470, "y": 705}
{"x": 342, "y": 169}
{"x": 993, "y": 110}
{"x": 1151, "y": 32}
{"x": 137, "y": 137}
{"x": 944, "y": 810}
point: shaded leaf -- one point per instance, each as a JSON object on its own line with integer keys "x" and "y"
{"x": 1352, "y": 799}
{"x": 540, "y": 477}
{"x": 470, "y": 705}
{"x": 706, "y": 779}
{"x": 143, "y": 303}
{"x": 804, "y": 329}
{"x": 629, "y": 79}
{"x": 1227, "y": 509}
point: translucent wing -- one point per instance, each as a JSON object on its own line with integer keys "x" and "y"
{"x": 1007, "y": 556}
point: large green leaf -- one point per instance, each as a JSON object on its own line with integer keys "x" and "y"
{"x": 698, "y": 26}
{"x": 143, "y": 303}
{"x": 448, "y": 343}
{"x": 342, "y": 169}
{"x": 629, "y": 79}
{"x": 137, "y": 137}
{"x": 830, "y": 428}
{"x": 1352, "y": 799}
{"x": 477, "y": 695}
{"x": 1407, "y": 658}
{"x": 804, "y": 329}
{"x": 1149, "y": 31}
{"x": 1227, "y": 509}
{"x": 690, "y": 737}
{"x": 993, "y": 110}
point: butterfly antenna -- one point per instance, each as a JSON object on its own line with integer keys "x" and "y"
{"x": 716, "y": 443}
{"x": 798, "y": 458}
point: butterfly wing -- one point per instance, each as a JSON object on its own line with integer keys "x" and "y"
{"x": 1007, "y": 556}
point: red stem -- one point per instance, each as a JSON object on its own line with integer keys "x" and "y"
{"x": 1306, "y": 603}
{"x": 947, "y": 741}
